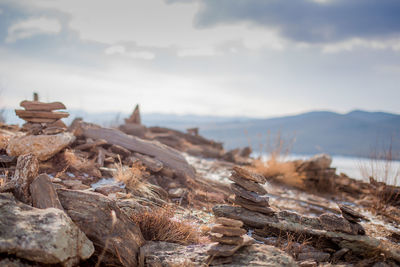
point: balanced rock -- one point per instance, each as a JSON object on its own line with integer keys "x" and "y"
{"x": 350, "y": 214}
{"x": 221, "y": 250}
{"x": 42, "y": 146}
{"x": 249, "y": 175}
{"x": 253, "y": 207}
{"x": 252, "y": 196}
{"x": 228, "y": 240}
{"x": 46, "y": 236}
{"x": 248, "y": 184}
{"x": 228, "y": 231}
{"x": 229, "y": 222}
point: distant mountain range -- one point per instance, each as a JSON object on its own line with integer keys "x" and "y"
{"x": 357, "y": 133}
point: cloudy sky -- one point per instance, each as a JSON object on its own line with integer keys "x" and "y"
{"x": 217, "y": 57}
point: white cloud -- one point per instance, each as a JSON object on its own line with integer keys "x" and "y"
{"x": 121, "y": 50}
{"x": 354, "y": 43}
{"x": 157, "y": 24}
{"x": 30, "y": 27}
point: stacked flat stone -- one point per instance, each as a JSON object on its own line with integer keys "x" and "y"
{"x": 249, "y": 192}
{"x": 230, "y": 237}
{"x": 354, "y": 218}
{"x": 39, "y": 115}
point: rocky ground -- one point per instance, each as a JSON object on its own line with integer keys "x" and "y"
{"x": 85, "y": 195}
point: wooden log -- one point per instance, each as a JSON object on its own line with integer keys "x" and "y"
{"x": 105, "y": 225}
{"x": 43, "y": 193}
{"x": 40, "y": 106}
{"x": 41, "y": 114}
{"x": 168, "y": 156}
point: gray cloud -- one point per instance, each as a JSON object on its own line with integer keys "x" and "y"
{"x": 309, "y": 20}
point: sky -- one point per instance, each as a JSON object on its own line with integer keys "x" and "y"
{"x": 207, "y": 57}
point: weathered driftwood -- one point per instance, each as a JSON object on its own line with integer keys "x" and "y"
{"x": 43, "y": 193}
{"x": 117, "y": 234}
{"x": 40, "y": 106}
{"x": 168, "y": 156}
{"x": 25, "y": 172}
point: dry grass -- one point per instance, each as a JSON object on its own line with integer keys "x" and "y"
{"x": 160, "y": 225}
{"x": 383, "y": 171}
{"x": 275, "y": 167}
{"x": 135, "y": 180}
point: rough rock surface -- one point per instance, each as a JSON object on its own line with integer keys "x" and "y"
{"x": 359, "y": 244}
{"x": 42, "y": 146}
{"x": 165, "y": 254}
{"x": 93, "y": 213}
{"x": 248, "y": 184}
{"x": 46, "y": 236}
{"x": 26, "y": 171}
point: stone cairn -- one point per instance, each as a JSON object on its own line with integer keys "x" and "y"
{"x": 249, "y": 192}
{"x": 230, "y": 237}
{"x": 40, "y": 117}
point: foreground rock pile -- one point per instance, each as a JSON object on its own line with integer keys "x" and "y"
{"x": 230, "y": 237}
{"x": 249, "y": 192}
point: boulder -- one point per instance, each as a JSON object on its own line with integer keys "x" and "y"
{"x": 47, "y": 236}
{"x": 42, "y": 146}
{"x": 105, "y": 224}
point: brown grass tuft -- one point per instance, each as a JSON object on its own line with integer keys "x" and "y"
{"x": 160, "y": 225}
{"x": 135, "y": 179}
{"x": 279, "y": 171}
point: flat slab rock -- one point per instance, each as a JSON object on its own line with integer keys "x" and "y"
{"x": 118, "y": 235}
{"x": 359, "y": 244}
{"x": 42, "y": 146}
{"x": 169, "y": 254}
{"x": 47, "y": 236}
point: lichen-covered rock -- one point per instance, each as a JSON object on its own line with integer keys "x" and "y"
{"x": 42, "y": 146}
{"x": 47, "y": 236}
{"x": 170, "y": 254}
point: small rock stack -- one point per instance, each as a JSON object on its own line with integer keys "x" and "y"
{"x": 354, "y": 218}
{"x": 230, "y": 237}
{"x": 40, "y": 117}
{"x": 249, "y": 192}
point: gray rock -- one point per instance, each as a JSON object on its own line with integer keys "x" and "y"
{"x": 332, "y": 222}
{"x": 252, "y": 196}
{"x": 170, "y": 254}
{"x": 358, "y": 244}
{"x": 248, "y": 184}
{"x": 47, "y": 236}
{"x": 315, "y": 255}
{"x": 105, "y": 224}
